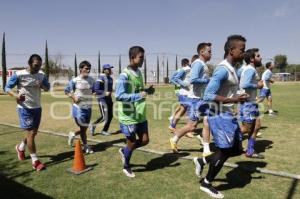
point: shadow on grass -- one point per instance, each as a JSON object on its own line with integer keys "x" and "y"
{"x": 166, "y": 160}
{"x": 241, "y": 176}
{"x": 10, "y": 132}
{"x": 12, "y": 189}
{"x": 262, "y": 145}
{"x": 292, "y": 189}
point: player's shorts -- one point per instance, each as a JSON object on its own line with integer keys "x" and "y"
{"x": 132, "y": 129}
{"x": 30, "y": 118}
{"x": 196, "y": 109}
{"x": 183, "y": 100}
{"x": 265, "y": 93}
{"x": 82, "y": 116}
{"x": 248, "y": 112}
{"x": 225, "y": 130}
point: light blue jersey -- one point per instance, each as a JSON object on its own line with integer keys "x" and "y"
{"x": 248, "y": 82}
{"x": 266, "y": 77}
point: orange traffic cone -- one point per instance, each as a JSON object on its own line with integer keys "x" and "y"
{"x": 79, "y": 166}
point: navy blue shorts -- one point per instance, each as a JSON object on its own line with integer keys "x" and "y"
{"x": 133, "y": 129}
{"x": 82, "y": 116}
{"x": 183, "y": 100}
{"x": 249, "y": 112}
{"x": 196, "y": 109}
{"x": 30, "y": 118}
{"x": 225, "y": 129}
{"x": 265, "y": 93}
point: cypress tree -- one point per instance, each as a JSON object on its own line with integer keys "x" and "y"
{"x": 75, "y": 66}
{"x": 46, "y": 61}
{"x": 99, "y": 64}
{"x": 176, "y": 64}
{"x": 145, "y": 70}
{"x": 4, "y": 70}
{"x": 157, "y": 71}
{"x": 167, "y": 68}
{"x": 120, "y": 67}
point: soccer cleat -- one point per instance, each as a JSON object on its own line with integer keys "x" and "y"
{"x": 105, "y": 133}
{"x": 92, "y": 129}
{"x": 21, "y": 154}
{"x": 128, "y": 172}
{"x": 272, "y": 114}
{"x": 122, "y": 155}
{"x": 255, "y": 155}
{"x": 87, "y": 149}
{"x": 259, "y": 134}
{"x": 38, "y": 166}
{"x": 71, "y": 138}
{"x": 198, "y": 167}
{"x": 210, "y": 190}
{"x": 173, "y": 146}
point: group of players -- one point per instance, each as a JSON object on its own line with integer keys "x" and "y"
{"x": 205, "y": 97}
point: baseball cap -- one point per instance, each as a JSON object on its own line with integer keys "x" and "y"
{"x": 107, "y": 66}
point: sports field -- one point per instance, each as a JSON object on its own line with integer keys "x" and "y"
{"x": 157, "y": 176}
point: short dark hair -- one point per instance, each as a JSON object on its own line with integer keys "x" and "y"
{"x": 185, "y": 61}
{"x": 84, "y": 63}
{"x": 268, "y": 64}
{"x": 201, "y": 46}
{"x": 32, "y": 57}
{"x": 249, "y": 54}
{"x": 194, "y": 58}
{"x": 134, "y": 51}
{"x": 230, "y": 43}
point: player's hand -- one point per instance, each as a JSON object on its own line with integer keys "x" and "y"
{"x": 144, "y": 94}
{"x": 20, "y": 98}
{"x": 107, "y": 93}
{"x": 260, "y": 84}
{"x": 76, "y": 100}
{"x": 150, "y": 90}
{"x": 243, "y": 97}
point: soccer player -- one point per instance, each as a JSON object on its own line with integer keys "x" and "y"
{"x": 196, "y": 106}
{"x": 181, "y": 80}
{"x": 130, "y": 94}
{"x": 80, "y": 90}
{"x": 249, "y": 113}
{"x": 265, "y": 92}
{"x": 221, "y": 93}
{"x": 29, "y": 83}
{"x": 103, "y": 88}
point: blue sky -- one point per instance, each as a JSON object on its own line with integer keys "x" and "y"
{"x": 170, "y": 26}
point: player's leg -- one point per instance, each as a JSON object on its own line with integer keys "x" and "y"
{"x": 98, "y": 120}
{"x": 206, "y": 137}
{"x": 109, "y": 116}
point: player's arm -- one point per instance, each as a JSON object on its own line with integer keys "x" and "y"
{"x": 98, "y": 88}
{"x": 122, "y": 93}
{"x": 45, "y": 85}
{"x": 246, "y": 80}
{"x": 177, "y": 79}
{"x": 197, "y": 76}
{"x": 69, "y": 91}
{"x": 13, "y": 81}
{"x": 219, "y": 76}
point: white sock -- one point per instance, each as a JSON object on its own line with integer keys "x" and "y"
{"x": 22, "y": 146}
{"x": 206, "y": 147}
{"x": 206, "y": 181}
{"x": 271, "y": 111}
{"x": 72, "y": 134}
{"x": 33, "y": 157}
{"x": 204, "y": 160}
{"x": 175, "y": 139}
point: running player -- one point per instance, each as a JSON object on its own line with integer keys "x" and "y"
{"x": 29, "y": 83}
{"x": 80, "y": 90}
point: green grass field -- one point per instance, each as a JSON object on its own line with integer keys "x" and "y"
{"x": 164, "y": 176}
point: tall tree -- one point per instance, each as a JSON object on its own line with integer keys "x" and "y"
{"x": 75, "y": 66}
{"x": 176, "y": 63}
{"x": 167, "y": 67}
{"x": 99, "y": 64}
{"x": 157, "y": 70}
{"x": 120, "y": 64}
{"x": 145, "y": 71}
{"x": 281, "y": 62}
{"x": 4, "y": 70}
{"x": 47, "y": 70}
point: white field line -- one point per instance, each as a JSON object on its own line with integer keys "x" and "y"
{"x": 227, "y": 164}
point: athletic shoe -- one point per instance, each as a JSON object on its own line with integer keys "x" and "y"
{"x": 198, "y": 167}
{"x": 105, "y": 133}
{"x": 128, "y": 172}
{"x": 200, "y": 139}
{"x": 189, "y": 135}
{"x": 172, "y": 129}
{"x": 210, "y": 190}
{"x": 122, "y": 155}
{"x": 87, "y": 149}
{"x": 206, "y": 154}
{"x": 254, "y": 155}
{"x": 92, "y": 129}
{"x": 173, "y": 146}
{"x": 71, "y": 138}
{"x": 272, "y": 114}
{"x": 258, "y": 134}
{"x": 21, "y": 154}
{"x": 38, "y": 166}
